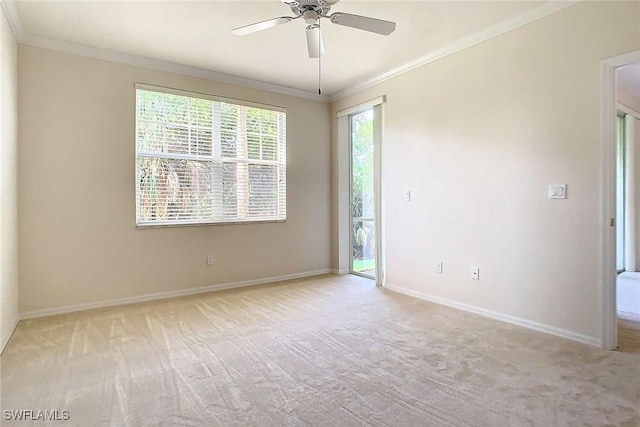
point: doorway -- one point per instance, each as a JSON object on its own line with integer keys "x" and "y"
{"x": 360, "y": 214}
{"x": 628, "y": 207}
{"x": 363, "y": 217}
{"x": 620, "y": 204}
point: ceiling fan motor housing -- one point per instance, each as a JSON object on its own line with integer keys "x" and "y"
{"x": 310, "y": 16}
{"x": 311, "y": 9}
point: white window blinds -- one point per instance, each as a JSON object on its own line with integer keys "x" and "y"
{"x": 203, "y": 160}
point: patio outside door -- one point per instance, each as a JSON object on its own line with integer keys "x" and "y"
{"x": 363, "y": 190}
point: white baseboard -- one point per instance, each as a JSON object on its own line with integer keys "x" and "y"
{"x": 164, "y": 295}
{"x": 540, "y": 327}
{"x": 6, "y": 339}
{"x": 342, "y": 271}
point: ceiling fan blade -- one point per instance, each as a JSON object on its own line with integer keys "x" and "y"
{"x": 259, "y": 26}
{"x": 373, "y": 25}
{"x": 315, "y": 45}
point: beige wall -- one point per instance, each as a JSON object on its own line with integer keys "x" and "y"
{"x": 477, "y": 136}
{"x": 78, "y": 241}
{"x": 8, "y": 182}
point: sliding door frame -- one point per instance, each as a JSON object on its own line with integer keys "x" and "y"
{"x": 608, "y": 267}
{"x": 345, "y": 186}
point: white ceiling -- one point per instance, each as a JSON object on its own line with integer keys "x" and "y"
{"x": 197, "y": 34}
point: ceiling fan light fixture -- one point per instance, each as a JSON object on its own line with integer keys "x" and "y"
{"x": 315, "y": 44}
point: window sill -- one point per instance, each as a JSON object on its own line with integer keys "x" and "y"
{"x": 146, "y": 225}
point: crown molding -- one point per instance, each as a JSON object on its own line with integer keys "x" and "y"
{"x": 9, "y": 8}
{"x": 531, "y": 15}
{"x": 171, "y": 67}
{"x": 10, "y": 11}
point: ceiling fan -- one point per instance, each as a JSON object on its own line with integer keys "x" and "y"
{"x": 312, "y": 11}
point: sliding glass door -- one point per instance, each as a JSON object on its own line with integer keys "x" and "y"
{"x": 363, "y": 199}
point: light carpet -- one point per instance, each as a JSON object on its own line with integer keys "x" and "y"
{"x": 327, "y": 351}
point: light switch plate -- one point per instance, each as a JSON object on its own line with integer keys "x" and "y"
{"x": 557, "y": 191}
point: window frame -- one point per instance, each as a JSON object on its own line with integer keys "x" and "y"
{"x": 216, "y": 159}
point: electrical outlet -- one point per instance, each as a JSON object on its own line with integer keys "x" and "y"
{"x": 475, "y": 273}
{"x": 210, "y": 259}
{"x": 439, "y": 268}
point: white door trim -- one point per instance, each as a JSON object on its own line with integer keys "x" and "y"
{"x": 609, "y": 315}
{"x": 344, "y": 196}
{"x": 344, "y": 186}
{"x": 378, "y": 120}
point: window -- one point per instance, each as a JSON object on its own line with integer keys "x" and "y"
{"x": 207, "y": 160}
